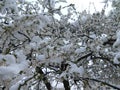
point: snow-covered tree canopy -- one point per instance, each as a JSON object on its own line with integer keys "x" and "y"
{"x": 43, "y": 49}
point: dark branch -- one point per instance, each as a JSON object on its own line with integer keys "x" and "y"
{"x": 19, "y": 88}
{"x": 24, "y": 35}
{"x": 66, "y": 84}
{"x": 109, "y": 42}
{"x": 105, "y": 83}
{"x": 107, "y": 59}
{"x": 39, "y": 70}
{"x": 64, "y": 66}
{"x": 85, "y": 56}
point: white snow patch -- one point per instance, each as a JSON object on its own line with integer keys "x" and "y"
{"x": 56, "y": 60}
{"x": 116, "y": 59}
{"x": 67, "y": 47}
{"x": 40, "y": 57}
{"x": 80, "y": 50}
{"x": 92, "y": 35}
{"x": 33, "y": 45}
{"x": 57, "y": 85}
{"x": 10, "y": 4}
{"x": 21, "y": 82}
{"x": 36, "y": 39}
{"x": 117, "y": 42}
{"x": 104, "y": 37}
{"x": 75, "y": 69}
{"x": 20, "y": 56}
{"x": 10, "y": 59}
{"x": 8, "y": 72}
{"x": 1, "y": 57}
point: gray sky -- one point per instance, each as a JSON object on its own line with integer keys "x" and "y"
{"x": 89, "y": 5}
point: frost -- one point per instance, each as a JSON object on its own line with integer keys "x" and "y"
{"x": 66, "y": 41}
{"x": 56, "y": 60}
{"x": 33, "y": 45}
{"x": 67, "y": 34}
{"x": 20, "y": 56}
{"x": 27, "y": 48}
{"x": 67, "y": 47}
{"x": 52, "y": 3}
{"x": 1, "y": 29}
{"x": 7, "y": 59}
{"x": 17, "y": 85}
{"x": 10, "y": 59}
{"x": 21, "y": 1}
{"x": 40, "y": 57}
{"x": 98, "y": 48}
{"x": 45, "y": 20}
{"x": 103, "y": 37}
{"x": 57, "y": 85}
{"x": 63, "y": 75}
{"x": 21, "y": 66}
{"x": 37, "y": 42}
{"x": 1, "y": 57}
{"x": 10, "y": 5}
{"x": 13, "y": 65}
{"x": 8, "y": 72}
{"x": 84, "y": 18}
{"x": 118, "y": 34}
{"x": 36, "y": 39}
{"x": 117, "y": 42}
{"x": 75, "y": 69}
{"x": 80, "y": 50}
{"x": 117, "y": 58}
{"x": 93, "y": 36}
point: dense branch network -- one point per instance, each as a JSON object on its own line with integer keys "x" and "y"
{"x": 75, "y": 49}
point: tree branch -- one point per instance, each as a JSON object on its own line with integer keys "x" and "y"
{"x": 24, "y": 35}
{"x": 85, "y": 56}
{"x": 107, "y": 59}
{"x": 66, "y": 84}
{"x": 48, "y": 85}
{"x": 105, "y": 83}
{"x": 19, "y": 88}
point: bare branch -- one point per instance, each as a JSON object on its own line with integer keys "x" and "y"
{"x": 102, "y": 82}
{"x": 24, "y": 35}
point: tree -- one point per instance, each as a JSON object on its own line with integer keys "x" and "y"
{"x": 39, "y": 50}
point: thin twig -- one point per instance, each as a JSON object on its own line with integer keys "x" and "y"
{"x": 24, "y": 35}
{"x": 105, "y": 83}
{"x": 85, "y": 56}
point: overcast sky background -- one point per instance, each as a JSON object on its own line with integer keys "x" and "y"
{"x": 89, "y": 5}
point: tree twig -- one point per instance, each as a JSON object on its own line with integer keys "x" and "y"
{"x": 24, "y": 35}
{"x": 85, "y": 56}
{"x": 105, "y": 83}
